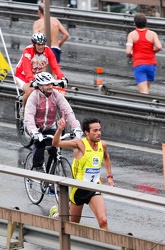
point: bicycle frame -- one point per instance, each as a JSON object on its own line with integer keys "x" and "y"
{"x": 59, "y": 165}
{"x": 18, "y": 105}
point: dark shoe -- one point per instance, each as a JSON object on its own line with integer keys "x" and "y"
{"x": 51, "y": 190}
{"x": 39, "y": 169}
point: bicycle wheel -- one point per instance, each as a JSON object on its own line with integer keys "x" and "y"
{"x": 24, "y": 139}
{"x": 62, "y": 168}
{"x": 34, "y": 188}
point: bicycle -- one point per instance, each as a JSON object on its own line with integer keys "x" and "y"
{"x": 59, "y": 165}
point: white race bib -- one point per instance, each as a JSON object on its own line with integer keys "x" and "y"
{"x": 92, "y": 175}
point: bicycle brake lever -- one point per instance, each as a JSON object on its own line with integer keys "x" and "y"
{"x": 72, "y": 135}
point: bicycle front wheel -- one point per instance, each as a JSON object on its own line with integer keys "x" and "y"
{"x": 63, "y": 168}
{"x": 34, "y": 188}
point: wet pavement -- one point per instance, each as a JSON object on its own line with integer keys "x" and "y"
{"x": 87, "y": 49}
{"x": 134, "y": 169}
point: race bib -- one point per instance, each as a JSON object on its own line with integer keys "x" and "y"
{"x": 92, "y": 175}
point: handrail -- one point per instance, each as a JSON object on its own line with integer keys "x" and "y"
{"x": 35, "y": 235}
{"x": 124, "y": 107}
{"x": 66, "y": 228}
{"x": 118, "y": 113}
{"x": 105, "y": 101}
{"x": 75, "y": 17}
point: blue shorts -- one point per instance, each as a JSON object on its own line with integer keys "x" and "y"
{"x": 144, "y": 73}
{"x": 57, "y": 53}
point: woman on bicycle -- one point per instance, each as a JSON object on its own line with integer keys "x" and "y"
{"x": 34, "y": 60}
{"x": 40, "y": 115}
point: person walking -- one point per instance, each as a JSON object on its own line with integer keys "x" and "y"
{"x": 41, "y": 112}
{"x": 57, "y": 31}
{"x": 89, "y": 152}
{"x": 34, "y": 59}
{"x": 142, "y": 45}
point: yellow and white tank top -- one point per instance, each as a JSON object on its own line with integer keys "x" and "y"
{"x": 88, "y": 167}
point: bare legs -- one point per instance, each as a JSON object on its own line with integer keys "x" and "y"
{"x": 143, "y": 87}
{"x": 75, "y": 212}
{"x": 27, "y": 91}
{"x": 98, "y": 207}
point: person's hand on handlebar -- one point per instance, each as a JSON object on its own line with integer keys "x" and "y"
{"x": 78, "y": 132}
{"x": 36, "y": 135}
{"x": 33, "y": 83}
{"x": 63, "y": 82}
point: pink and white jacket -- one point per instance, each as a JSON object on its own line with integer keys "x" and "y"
{"x": 41, "y": 111}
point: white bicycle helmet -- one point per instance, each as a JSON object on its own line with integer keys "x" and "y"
{"x": 39, "y": 38}
{"x": 44, "y": 78}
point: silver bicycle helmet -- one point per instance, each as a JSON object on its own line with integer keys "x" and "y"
{"x": 44, "y": 78}
{"x": 39, "y": 38}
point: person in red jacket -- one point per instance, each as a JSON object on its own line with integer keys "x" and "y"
{"x": 142, "y": 45}
{"x": 34, "y": 60}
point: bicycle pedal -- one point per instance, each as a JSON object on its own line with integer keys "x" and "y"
{"x": 47, "y": 190}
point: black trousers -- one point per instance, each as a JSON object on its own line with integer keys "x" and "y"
{"x": 39, "y": 149}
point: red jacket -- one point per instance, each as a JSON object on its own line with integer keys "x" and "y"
{"x": 32, "y": 63}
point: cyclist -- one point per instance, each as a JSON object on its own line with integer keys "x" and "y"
{"x": 40, "y": 115}
{"x": 89, "y": 152}
{"x": 34, "y": 60}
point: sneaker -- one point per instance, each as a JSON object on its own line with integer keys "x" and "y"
{"x": 51, "y": 190}
{"x": 54, "y": 213}
{"x": 21, "y": 113}
{"x": 38, "y": 169}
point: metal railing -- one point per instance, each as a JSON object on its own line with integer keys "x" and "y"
{"x": 140, "y": 114}
{"x": 157, "y": 3}
{"x": 152, "y": 110}
{"x": 66, "y": 228}
{"x": 73, "y": 17}
{"x": 143, "y": 2}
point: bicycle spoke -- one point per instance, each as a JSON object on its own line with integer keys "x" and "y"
{"x": 35, "y": 189}
{"x": 63, "y": 168}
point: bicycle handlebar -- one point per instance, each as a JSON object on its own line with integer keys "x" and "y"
{"x": 62, "y": 137}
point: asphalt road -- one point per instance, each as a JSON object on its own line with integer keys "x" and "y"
{"x": 134, "y": 168}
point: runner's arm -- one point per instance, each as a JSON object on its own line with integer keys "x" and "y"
{"x": 107, "y": 165}
{"x": 129, "y": 45}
